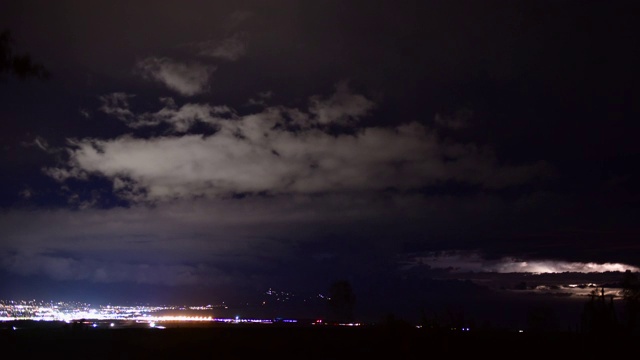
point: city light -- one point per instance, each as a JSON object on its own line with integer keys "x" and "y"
{"x": 69, "y": 312}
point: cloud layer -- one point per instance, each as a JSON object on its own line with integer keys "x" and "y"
{"x": 279, "y": 150}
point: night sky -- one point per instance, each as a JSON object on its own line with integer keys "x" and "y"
{"x": 435, "y": 154}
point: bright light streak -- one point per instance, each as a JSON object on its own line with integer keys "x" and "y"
{"x": 461, "y": 262}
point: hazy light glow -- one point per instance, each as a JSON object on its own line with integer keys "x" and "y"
{"x": 460, "y": 262}
{"x": 548, "y": 266}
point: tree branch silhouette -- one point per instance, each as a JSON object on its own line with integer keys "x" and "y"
{"x": 19, "y": 65}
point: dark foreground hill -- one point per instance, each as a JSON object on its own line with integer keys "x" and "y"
{"x": 236, "y": 341}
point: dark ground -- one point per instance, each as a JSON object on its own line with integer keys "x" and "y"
{"x": 238, "y": 341}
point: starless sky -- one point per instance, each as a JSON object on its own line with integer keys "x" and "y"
{"x": 187, "y": 151}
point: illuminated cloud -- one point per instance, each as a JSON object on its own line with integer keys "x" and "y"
{"x": 186, "y": 79}
{"x": 262, "y": 99}
{"x": 553, "y": 266}
{"x": 280, "y": 150}
{"x": 182, "y": 118}
{"x": 117, "y": 104}
{"x": 472, "y": 262}
{"x": 343, "y": 107}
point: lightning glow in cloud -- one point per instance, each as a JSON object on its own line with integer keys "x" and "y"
{"x": 458, "y": 262}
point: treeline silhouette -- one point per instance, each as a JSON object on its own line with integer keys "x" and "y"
{"x": 392, "y": 339}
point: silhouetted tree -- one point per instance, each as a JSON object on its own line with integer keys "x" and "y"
{"x": 430, "y": 322}
{"x": 342, "y": 301}
{"x": 19, "y": 65}
{"x": 456, "y": 318}
{"x": 631, "y": 297}
{"x": 598, "y": 315}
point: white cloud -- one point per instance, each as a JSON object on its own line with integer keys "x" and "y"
{"x": 117, "y": 104}
{"x": 262, "y": 99}
{"x": 256, "y": 153}
{"x": 180, "y": 118}
{"x": 249, "y": 156}
{"x": 61, "y": 174}
{"x": 184, "y": 117}
{"x": 186, "y": 79}
{"x": 343, "y": 107}
{"x": 40, "y": 143}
